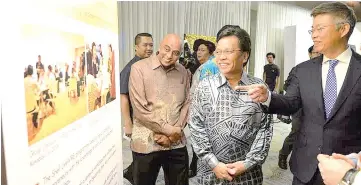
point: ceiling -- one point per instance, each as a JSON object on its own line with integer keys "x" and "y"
{"x": 310, "y": 5}
{"x": 306, "y": 4}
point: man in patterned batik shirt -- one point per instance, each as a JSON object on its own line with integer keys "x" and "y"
{"x": 230, "y": 133}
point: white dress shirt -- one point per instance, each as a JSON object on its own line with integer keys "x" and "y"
{"x": 340, "y": 71}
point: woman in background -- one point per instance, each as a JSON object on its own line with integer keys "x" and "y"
{"x": 111, "y": 68}
{"x": 204, "y": 51}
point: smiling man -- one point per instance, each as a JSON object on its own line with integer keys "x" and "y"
{"x": 159, "y": 90}
{"x": 327, "y": 88}
{"x": 230, "y": 133}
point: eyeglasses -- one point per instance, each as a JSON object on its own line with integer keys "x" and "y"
{"x": 321, "y": 28}
{"x": 225, "y": 52}
{"x": 175, "y": 52}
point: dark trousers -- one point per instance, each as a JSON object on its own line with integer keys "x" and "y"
{"x": 290, "y": 139}
{"x": 78, "y": 84}
{"x": 174, "y": 163}
{"x": 193, "y": 165}
{"x": 128, "y": 173}
{"x": 316, "y": 180}
{"x": 57, "y": 84}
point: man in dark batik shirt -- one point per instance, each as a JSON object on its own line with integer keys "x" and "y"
{"x": 229, "y": 132}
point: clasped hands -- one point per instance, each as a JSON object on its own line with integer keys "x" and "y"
{"x": 229, "y": 171}
{"x": 166, "y": 141}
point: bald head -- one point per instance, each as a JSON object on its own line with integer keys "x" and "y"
{"x": 170, "y": 50}
{"x": 172, "y": 40}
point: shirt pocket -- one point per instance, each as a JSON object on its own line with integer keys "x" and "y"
{"x": 177, "y": 88}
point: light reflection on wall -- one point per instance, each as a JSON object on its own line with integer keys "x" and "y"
{"x": 55, "y": 47}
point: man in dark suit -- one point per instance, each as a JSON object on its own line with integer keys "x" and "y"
{"x": 290, "y": 139}
{"x": 327, "y": 88}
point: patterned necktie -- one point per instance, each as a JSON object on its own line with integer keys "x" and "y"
{"x": 330, "y": 94}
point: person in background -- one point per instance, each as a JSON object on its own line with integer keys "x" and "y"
{"x": 312, "y": 53}
{"x": 111, "y": 68}
{"x": 209, "y": 68}
{"x": 99, "y": 52}
{"x": 57, "y": 78}
{"x": 39, "y": 65}
{"x": 81, "y": 73}
{"x": 95, "y": 61}
{"x": 271, "y": 73}
{"x": 88, "y": 60}
{"x": 189, "y": 59}
{"x": 25, "y": 72}
{"x": 204, "y": 51}
{"x": 66, "y": 75}
{"x": 143, "y": 49}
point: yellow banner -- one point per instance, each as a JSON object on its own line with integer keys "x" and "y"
{"x": 192, "y": 37}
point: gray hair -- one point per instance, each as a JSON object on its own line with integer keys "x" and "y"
{"x": 340, "y": 11}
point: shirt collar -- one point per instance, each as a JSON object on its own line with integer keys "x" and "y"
{"x": 156, "y": 63}
{"x": 136, "y": 58}
{"x": 244, "y": 79}
{"x": 344, "y": 57}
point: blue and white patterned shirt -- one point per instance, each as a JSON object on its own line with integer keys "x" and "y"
{"x": 227, "y": 126}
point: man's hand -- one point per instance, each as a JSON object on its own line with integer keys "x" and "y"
{"x": 162, "y": 140}
{"x": 221, "y": 172}
{"x": 345, "y": 158}
{"x": 176, "y": 135}
{"x": 257, "y": 92}
{"x": 332, "y": 170}
{"x": 128, "y": 126}
{"x": 236, "y": 169}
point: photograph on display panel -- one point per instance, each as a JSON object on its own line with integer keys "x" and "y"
{"x": 54, "y": 69}
{"x": 70, "y": 76}
{"x": 100, "y": 62}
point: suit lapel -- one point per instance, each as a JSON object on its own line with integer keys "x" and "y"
{"x": 352, "y": 76}
{"x": 316, "y": 80}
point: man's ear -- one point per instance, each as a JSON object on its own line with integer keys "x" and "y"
{"x": 345, "y": 29}
{"x": 245, "y": 57}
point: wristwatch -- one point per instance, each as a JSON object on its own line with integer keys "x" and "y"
{"x": 349, "y": 177}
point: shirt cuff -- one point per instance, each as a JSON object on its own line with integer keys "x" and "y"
{"x": 268, "y": 101}
{"x": 248, "y": 164}
{"x": 211, "y": 160}
{"x": 168, "y": 129}
{"x": 354, "y": 158}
